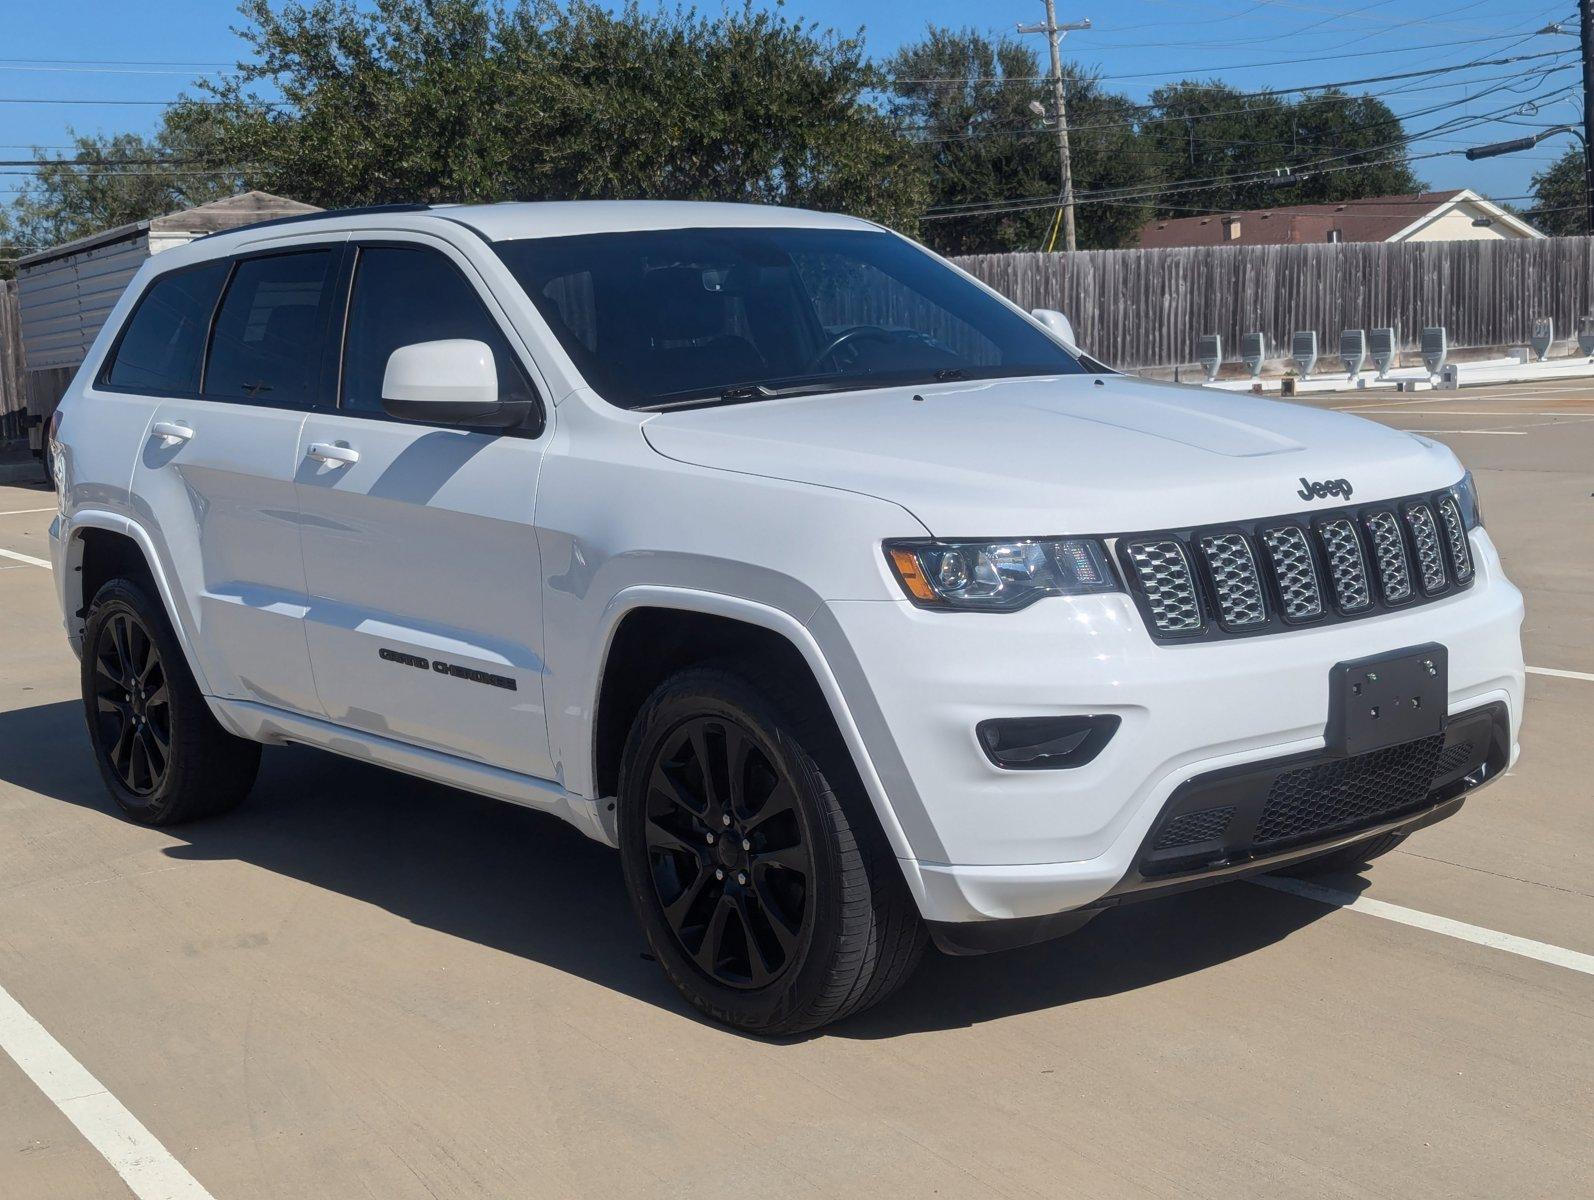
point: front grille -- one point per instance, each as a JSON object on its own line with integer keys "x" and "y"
{"x": 1456, "y": 538}
{"x": 1189, "y": 829}
{"x": 1389, "y": 549}
{"x": 1347, "y": 566}
{"x": 1234, "y": 578}
{"x": 1430, "y": 558}
{"x": 1300, "y": 597}
{"x": 1167, "y": 584}
{"x": 1360, "y": 790}
{"x": 1273, "y": 574}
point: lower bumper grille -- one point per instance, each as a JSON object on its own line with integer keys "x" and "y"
{"x": 1349, "y": 792}
{"x": 1266, "y": 809}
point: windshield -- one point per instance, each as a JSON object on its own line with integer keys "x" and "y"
{"x": 656, "y": 318}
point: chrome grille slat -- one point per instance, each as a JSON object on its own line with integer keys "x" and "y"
{"x": 1456, "y": 537}
{"x": 1270, "y": 574}
{"x": 1430, "y": 555}
{"x": 1164, "y": 573}
{"x": 1389, "y": 549}
{"x": 1232, "y": 569}
{"x": 1347, "y": 566}
{"x": 1296, "y": 572}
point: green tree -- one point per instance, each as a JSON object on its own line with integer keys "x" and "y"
{"x": 1560, "y": 197}
{"x": 104, "y": 182}
{"x": 964, "y": 99}
{"x": 436, "y": 100}
{"x": 1212, "y": 142}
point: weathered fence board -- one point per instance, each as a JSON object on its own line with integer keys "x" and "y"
{"x": 1145, "y": 308}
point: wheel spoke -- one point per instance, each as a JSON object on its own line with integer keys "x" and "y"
{"x": 124, "y": 656}
{"x": 739, "y": 751}
{"x": 121, "y": 751}
{"x": 710, "y": 953}
{"x": 662, "y": 837}
{"x": 676, "y": 911}
{"x": 666, "y": 785}
{"x": 154, "y": 753}
{"x": 157, "y": 698}
{"x": 759, "y": 966}
{"x": 781, "y": 799}
{"x": 770, "y": 909}
{"x": 707, "y": 762}
{"x": 789, "y": 858}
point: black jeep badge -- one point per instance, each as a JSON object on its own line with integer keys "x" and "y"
{"x": 1327, "y": 487}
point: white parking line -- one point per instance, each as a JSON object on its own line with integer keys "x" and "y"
{"x": 1557, "y": 956}
{"x": 23, "y": 512}
{"x": 1583, "y": 675}
{"x": 145, "y": 1165}
{"x": 1495, "y": 432}
{"x": 25, "y": 558}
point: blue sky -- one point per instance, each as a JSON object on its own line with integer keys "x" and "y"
{"x": 69, "y": 61}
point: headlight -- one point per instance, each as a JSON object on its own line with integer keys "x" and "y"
{"x": 1466, "y": 494}
{"x": 999, "y": 576}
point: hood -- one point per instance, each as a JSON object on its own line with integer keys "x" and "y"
{"x": 1061, "y": 454}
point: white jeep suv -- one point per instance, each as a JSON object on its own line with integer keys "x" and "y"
{"x": 838, "y": 593}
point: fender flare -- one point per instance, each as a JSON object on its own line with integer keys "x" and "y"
{"x": 777, "y": 621}
{"x": 72, "y": 560}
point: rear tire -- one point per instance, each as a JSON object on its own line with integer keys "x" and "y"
{"x": 754, "y": 862}
{"x": 1349, "y": 858}
{"x": 163, "y": 757}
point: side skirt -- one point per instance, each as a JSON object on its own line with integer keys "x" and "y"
{"x": 278, "y": 727}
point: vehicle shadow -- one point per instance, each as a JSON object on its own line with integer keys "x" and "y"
{"x": 525, "y": 883}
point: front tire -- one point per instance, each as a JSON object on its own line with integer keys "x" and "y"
{"x": 163, "y": 757}
{"x": 762, "y": 881}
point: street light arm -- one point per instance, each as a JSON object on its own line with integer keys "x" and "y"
{"x": 1495, "y": 149}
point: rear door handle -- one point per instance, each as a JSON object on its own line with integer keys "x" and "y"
{"x": 171, "y": 432}
{"x": 333, "y": 456}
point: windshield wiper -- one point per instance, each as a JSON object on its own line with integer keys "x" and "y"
{"x": 744, "y": 393}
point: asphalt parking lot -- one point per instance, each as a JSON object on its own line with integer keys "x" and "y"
{"x": 363, "y": 985}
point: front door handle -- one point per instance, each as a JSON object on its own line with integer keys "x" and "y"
{"x": 333, "y": 456}
{"x": 171, "y": 432}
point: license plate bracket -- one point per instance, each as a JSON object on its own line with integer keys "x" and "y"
{"x": 1387, "y": 699}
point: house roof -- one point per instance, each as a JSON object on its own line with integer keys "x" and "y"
{"x": 1374, "y": 219}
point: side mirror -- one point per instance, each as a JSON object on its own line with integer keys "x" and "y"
{"x": 450, "y": 382}
{"x": 1058, "y": 324}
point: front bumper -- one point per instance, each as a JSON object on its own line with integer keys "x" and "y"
{"x": 984, "y": 844}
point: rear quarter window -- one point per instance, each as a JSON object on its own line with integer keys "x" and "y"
{"x": 162, "y": 345}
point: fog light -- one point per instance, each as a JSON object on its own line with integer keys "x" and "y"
{"x": 1045, "y": 743}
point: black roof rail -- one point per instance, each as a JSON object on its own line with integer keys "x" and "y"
{"x": 359, "y": 211}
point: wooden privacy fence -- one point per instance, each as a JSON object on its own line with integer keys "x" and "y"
{"x": 1145, "y": 308}
{"x": 13, "y": 400}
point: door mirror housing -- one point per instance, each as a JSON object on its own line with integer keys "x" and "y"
{"x": 1061, "y": 327}
{"x": 448, "y": 382}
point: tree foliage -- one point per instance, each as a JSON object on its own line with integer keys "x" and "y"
{"x": 1560, "y": 197}
{"x": 348, "y": 102}
{"x": 104, "y": 182}
{"x": 964, "y": 100}
{"x": 1212, "y": 141}
{"x": 436, "y": 100}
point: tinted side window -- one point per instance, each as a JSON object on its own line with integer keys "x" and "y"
{"x": 164, "y": 342}
{"x": 269, "y": 332}
{"x": 401, "y": 296}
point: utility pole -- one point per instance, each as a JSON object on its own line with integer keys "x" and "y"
{"x": 1585, "y": 11}
{"x": 1054, "y": 34}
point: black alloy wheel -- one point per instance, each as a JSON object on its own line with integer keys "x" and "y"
{"x": 727, "y": 852}
{"x": 132, "y": 704}
{"x": 764, "y": 884}
{"x": 159, "y": 749}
